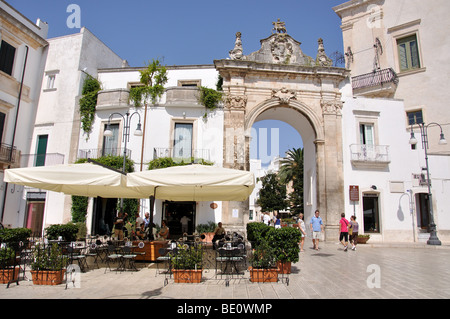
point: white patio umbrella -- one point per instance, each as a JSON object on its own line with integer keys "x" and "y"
{"x": 85, "y": 179}
{"x": 194, "y": 183}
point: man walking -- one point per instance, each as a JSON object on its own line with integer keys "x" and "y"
{"x": 316, "y": 225}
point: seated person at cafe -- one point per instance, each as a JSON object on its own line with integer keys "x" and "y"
{"x": 219, "y": 233}
{"x": 140, "y": 232}
{"x": 164, "y": 231}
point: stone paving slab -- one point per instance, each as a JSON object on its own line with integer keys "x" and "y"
{"x": 370, "y": 272}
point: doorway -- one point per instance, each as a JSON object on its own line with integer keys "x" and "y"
{"x": 174, "y": 212}
{"x": 371, "y": 213}
{"x": 423, "y": 210}
{"x": 35, "y": 217}
{"x": 103, "y": 216}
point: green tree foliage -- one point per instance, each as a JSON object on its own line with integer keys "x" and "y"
{"x": 291, "y": 169}
{"x": 88, "y": 102}
{"x": 153, "y": 78}
{"x": 272, "y": 195}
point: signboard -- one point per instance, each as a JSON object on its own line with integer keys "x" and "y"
{"x": 354, "y": 193}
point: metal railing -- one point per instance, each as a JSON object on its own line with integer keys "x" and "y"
{"x": 100, "y": 152}
{"x": 7, "y": 153}
{"x": 370, "y": 153}
{"x": 375, "y": 78}
{"x": 48, "y": 159}
{"x": 159, "y": 152}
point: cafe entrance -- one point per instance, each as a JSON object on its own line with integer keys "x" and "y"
{"x": 177, "y": 213}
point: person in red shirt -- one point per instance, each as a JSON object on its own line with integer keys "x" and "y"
{"x": 343, "y": 231}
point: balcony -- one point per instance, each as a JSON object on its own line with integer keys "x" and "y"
{"x": 195, "y": 155}
{"x": 48, "y": 159}
{"x": 8, "y": 155}
{"x": 95, "y": 153}
{"x": 370, "y": 156}
{"x": 182, "y": 96}
{"x": 379, "y": 83}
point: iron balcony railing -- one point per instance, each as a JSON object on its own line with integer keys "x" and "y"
{"x": 48, "y": 159}
{"x": 159, "y": 152}
{"x": 100, "y": 152}
{"x": 375, "y": 78}
{"x": 370, "y": 153}
{"x": 8, "y": 153}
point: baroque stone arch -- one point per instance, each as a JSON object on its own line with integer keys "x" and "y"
{"x": 306, "y": 111}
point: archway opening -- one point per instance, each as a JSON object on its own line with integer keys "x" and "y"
{"x": 274, "y": 132}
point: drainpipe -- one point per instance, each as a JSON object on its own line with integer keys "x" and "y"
{"x": 14, "y": 131}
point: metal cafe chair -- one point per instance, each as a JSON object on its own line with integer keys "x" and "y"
{"x": 76, "y": 255}
{"x": 113, "y": 256}
{"x": 128, "y": 256}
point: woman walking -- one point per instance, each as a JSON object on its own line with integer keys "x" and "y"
{"x": 354, "y": 226}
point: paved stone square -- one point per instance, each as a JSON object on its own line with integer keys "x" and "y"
{"x": 372, "y": 271}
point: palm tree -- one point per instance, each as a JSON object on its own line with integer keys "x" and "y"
{"x": 291, "y": 170}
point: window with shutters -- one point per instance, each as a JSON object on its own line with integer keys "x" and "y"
{"x": 408, "y": 53}
{"x": 7, "y": 53}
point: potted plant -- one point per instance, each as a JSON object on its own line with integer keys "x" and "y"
{"x": 9, "y": 270}
{"x": 363, "y": 238}
{"x": 186, "y": 262}
{"x": 207, "y": 230}
{"x": 48, "y": 265}
{"x": 285, "y": 241}
{"x": 263, "y": 263}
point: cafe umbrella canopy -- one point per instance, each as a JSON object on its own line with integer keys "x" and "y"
{"x": 87, "y": 179}
{"x": 193, "y": 183}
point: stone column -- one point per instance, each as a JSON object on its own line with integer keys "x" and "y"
{"x": 333, "y": 166}
{"x": 236, "y": 148}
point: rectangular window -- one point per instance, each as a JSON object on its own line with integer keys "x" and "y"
{"x": 7, "y": 53}
{"x": 51, "y": 81}
{"x": 366, "y": 134}
{"x": 408, "y": 53}
{"x": 182, "y": 147}
{"x": 371, "y": 213}
{"x": 41, "y": 150}
{"x": 415, "y": 117}
{"x": 110, "y": 143}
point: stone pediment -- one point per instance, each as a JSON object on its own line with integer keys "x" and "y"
{"x": 278, "y": 48}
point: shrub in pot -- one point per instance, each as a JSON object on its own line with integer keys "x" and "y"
{"x": 48, "y": 266}
{"x": 187, "y": 263}
{"x": 263, "y": 263}
{"x": 9, "y": 270}
{"x": 206, "y": 229}
{"x": 67, "y": 231}
{"x": 285, "y": 242}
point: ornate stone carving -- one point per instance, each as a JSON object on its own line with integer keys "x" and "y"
{"x": 235, "y": 101}
{"x": 322, "y": 58}
{"x": 279, "y": 27}
{"x": 237, "y": 52}
{"x": 284, "y": 95}
{"x": 331, "y": 107}
{"x": 281, "y": 49}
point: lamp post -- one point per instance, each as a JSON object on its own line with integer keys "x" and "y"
{"x": 126, "y": 135}
{"x": 433, "y": 240}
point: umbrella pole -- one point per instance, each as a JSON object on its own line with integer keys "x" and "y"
{"x": 150, "y": 223}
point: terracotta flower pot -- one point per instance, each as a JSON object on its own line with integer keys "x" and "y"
{"x": 48, "y": 277}
{"x": 187, "y": 275}
{"x": 263, "y": 275}
{"x": 362, "y": 240}
{"x": 8, "y": 275}
{"x": 285, "y": 267}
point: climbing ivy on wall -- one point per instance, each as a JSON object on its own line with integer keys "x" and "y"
{"x": 88, "y": 102}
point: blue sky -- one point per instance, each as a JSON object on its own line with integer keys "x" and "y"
{"x": 194, "y": 32}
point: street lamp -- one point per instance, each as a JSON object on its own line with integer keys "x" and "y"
{"x": 126, "y": 135}
{"x": 433, "y": 240}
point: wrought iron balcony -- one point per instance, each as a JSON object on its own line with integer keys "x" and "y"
{"x": 370, "y": 156}
{"x": 48, "y": 159}
{"x": 100, "y": 152}
{"x": 376, "y": 83}
{"x": 8, "y": 154}
{"x": 192, "y": 156}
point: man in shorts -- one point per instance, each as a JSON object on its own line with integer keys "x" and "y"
{"x": 316, "y": 225}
